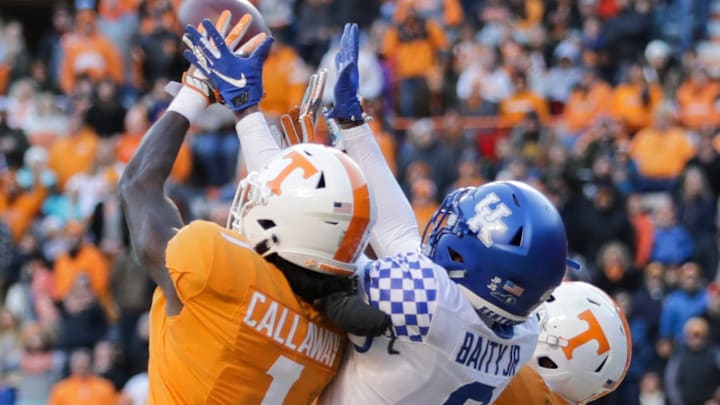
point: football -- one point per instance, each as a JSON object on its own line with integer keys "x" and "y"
{"x": 192, "y": 12}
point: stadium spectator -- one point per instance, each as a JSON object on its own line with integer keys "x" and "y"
{"x": 708, "y": 160}
{"x": 634, "y": 100}
{"x": 523, "y": 101}
{"x": 660, "y": 152}
{"x": 14, "y": 56}
{"x": 426, "y": 147}
{"x": 49, "y": 50}
{"x": 284, "y": 77}
{"x": 651, "y": 390}
{"x": 696, "y": 100}
{"x": 588, "y": 99}
{"x": 672, "y": 243}
{"x": 82, "y": 320}
{"x": 615, "y": 271}
{"x": 680, "y": 305}
{"x": 74, "y": 153}
{"x": 86, "y": 51}
{"x": 82, "y": 386}
{"x": 40, "y": 366}
{"x": 81, "y": 258}
{"x": 695, "y": 207}
{"x": 647, "y": 303}
{"x": 106, "y": 114}
{"x": 412, "y": 45}
{"x": 693, "y": 373}
{"x": 106, "y": 364}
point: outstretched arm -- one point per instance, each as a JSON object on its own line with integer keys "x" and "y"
{"x": 152, "y": 218}
{"x": 396, "y": 228}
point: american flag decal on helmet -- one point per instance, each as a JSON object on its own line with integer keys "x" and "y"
{"x": 513, "y": 288}
{"x": 342, "y": 208}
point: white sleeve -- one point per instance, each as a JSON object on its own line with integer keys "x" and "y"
{"x": 257, "y": 145}
{"x": 396, "y": 228}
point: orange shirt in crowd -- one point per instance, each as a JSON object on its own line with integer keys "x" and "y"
{"x": 644, "y": 238}
{"x": 95, "y": 56}
{"x": 417, "y": 57}
{"x": 83, "y": 391}
{"x": 90, "y": 261}
{"x": 284, "y": 78}
{"x": 583, "y": 107}
{"x": 73, "y": 154}
{"x": 514, "y": 108}
{"x": 19, "y": 213}
{"x": 627, "y": 104}
{"x": 661, "y": 154}
{"x": 242, "y": 336}
{"x": 697, "y": 104}
{"x": 528, "y": 388}
{"x": 181, "y": 170}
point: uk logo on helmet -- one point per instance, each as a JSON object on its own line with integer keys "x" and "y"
{"x": 488, "y": 220}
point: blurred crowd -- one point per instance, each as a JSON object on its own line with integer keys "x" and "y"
{"x": 604, "y": 105}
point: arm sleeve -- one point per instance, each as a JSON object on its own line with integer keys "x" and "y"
{"x": 257, "y": 144}
{"x": 395, "y": 230}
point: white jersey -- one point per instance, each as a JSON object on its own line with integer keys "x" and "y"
{"x": 447, "y": 355}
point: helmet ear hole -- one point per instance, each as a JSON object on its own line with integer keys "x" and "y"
{"x": 266, "y": 223}
{"x": 546, "y": 362}
{"x": 455, "y": 256}
{"x": 321, "y": 182}
{"x": 517, "y": 238}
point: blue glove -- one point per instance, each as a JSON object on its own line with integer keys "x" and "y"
{"x": 237, "y": 78}
{"x": 347, "y": 104}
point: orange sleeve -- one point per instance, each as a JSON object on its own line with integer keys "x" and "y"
{"x": 453, "y": 13}
{"x": 99, "y": 272}
{"x": 437, "y": 36}
{"x": 67, "y": 74}
{"x": 115, "y": 62}
{"x": 23, "y": 210}
{"x": 390, "y": 42}
{"x": 63, "y": 277}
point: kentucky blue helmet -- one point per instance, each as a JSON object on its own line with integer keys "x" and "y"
{"x": 504, "y": 243}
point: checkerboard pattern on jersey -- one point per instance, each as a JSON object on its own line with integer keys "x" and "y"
{"x": 404, "y": 287}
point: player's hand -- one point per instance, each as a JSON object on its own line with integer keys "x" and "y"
{"x": 347, "y": 104}
{"x": 298, "y": 124}
{"x": 237, "y": 77}
{"x": 196, "y": 80}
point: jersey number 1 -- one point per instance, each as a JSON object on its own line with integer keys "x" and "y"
{"x": 284, "y": 373}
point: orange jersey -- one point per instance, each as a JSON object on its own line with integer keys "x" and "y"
{"x": 528, "y": 388}
{"x": 242, "y": 336}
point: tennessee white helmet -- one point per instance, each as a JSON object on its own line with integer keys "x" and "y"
{"x": 311, "y": 205}
{"x": 584, "y": 345}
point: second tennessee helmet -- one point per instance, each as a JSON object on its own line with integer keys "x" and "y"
{"x": 504, "y": 243}
{"x": 584, "y": 346}
{"x": 311, "y": 205}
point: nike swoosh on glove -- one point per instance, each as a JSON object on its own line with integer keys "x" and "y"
{"x": 237, "y": 78}
{"x": 347, "y": 104}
